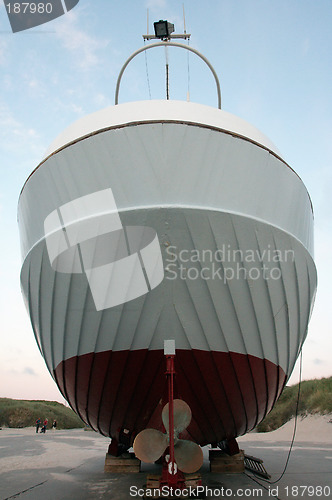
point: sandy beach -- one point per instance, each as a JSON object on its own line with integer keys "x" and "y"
{"x": 86, "y": 445}
{"x": 75, "y": 446}
{"x": 311, "y": 428}
{"x": 69, "y": 464}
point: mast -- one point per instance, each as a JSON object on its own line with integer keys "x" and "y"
{"x": 164, "y": 32}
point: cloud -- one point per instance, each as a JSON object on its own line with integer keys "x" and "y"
{"x": 29, "y": 371}
{"x": 101, "y": 100}
{"x": 155, "y": 4}
{"x": 83, "y": 47}
{"x": 3, "y": 52}
{"x": 35, "y": 86}
{"x": 14, "y": 134}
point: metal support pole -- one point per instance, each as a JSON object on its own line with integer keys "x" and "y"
{"x": 167, "y": 73}
{"x": 167, "y": 81}
{"x": 170, "y": 371}
{"x": 171, "y": 475}
{"x": 172, "y": 44}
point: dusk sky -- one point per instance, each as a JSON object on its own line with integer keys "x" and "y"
{"x": 273, "y": 59}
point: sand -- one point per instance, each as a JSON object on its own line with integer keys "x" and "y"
{"x": 54, "y": 449}
{"x": 311, "y": 429}
{"x": 74, "y": 446}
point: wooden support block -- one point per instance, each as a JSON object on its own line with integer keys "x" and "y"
{"x": 221, "y": 462}
{"x": 153, "y": 481}
{"x": 127, "y": 463}
{"x": 121, "y": 468}
{"x": 191, "y": 480}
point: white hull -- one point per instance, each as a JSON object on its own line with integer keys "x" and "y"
{"x": 233, "y": 220}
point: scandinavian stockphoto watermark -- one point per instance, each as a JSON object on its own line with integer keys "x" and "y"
{"x": 24, "y": 15}
{"x": 86, "y": 236}
{"x": 122, "y": 263}
{"x": 226, "y": 263}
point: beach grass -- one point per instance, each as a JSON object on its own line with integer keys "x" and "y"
{"x": 315, "y": 398}
{"x": 19, "y": 413}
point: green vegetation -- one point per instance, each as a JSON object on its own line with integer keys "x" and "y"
{"x": 20, "y": 413}
{"x": 315, "y": 397}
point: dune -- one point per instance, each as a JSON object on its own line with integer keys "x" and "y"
{"x": 310, "y": 428}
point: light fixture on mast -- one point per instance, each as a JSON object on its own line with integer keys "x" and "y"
{"x": 163, "y": 31}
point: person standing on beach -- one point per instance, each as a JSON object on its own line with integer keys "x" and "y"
{"x": 38, "y": 423}
{"x": 44, "y": 426}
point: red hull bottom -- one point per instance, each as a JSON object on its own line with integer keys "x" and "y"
{"x": 123, "y": 392}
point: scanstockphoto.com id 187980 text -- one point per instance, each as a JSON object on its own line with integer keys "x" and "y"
{"x": 194, "y": 492}
{"x": 222, "y": 492}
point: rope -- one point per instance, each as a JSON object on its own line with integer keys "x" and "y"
{"x": 294, "y": 431}
{"x": 188, "y": 91}
{"x": 147, "y": 72}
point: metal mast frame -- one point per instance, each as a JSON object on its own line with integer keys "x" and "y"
{"x": 167, "y": 44}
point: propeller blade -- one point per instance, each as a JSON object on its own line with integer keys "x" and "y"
{"x": 149, "y": 445}
{"x": 182, "y": 416}
{"x": 188, "y": 456}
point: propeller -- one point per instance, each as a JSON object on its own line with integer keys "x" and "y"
{"x": 150, "y": 444}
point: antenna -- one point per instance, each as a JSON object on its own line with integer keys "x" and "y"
{"x": 147, "y": 21}
{"x": 184, "y": 20}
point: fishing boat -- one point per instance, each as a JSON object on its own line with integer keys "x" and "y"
{"x": 167, "y": 220}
